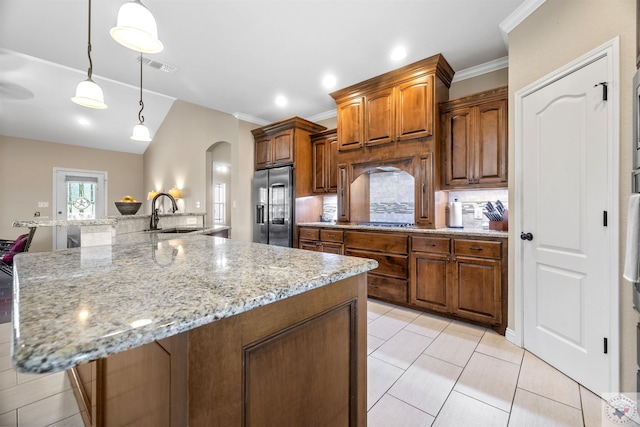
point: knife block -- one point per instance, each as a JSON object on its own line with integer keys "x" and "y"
{"x": 500, "y": 225}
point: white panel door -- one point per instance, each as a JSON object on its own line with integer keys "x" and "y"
{"x": 77, "y": 194}
{"x": 565, "y": 193}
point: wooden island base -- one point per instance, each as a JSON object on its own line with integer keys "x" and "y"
{"x": 298, "y": 361}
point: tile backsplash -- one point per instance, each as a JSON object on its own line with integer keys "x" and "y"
{"x": 392, "y": 198}
{"x": 472, "y": 199}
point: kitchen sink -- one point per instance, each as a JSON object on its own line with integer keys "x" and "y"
{"x": 174, "y": 230}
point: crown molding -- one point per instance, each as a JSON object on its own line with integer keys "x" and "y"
{"x": 517, "y": 16}
{"x": 250, "y": 119}
{"x": 478, "y": 70}
{"x": 322, "y": 116}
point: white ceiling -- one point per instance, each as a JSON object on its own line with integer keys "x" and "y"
{"x": 233, "y": 56}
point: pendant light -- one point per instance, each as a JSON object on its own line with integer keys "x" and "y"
{"x": 88, "y": 93}
{"x": 136, "y": 28}
{"x": 140, "y": 131}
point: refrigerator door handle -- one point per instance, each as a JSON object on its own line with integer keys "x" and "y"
{"x": 259, "y": 214}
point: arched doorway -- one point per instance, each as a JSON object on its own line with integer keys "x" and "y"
{"x": 218, "y": 184}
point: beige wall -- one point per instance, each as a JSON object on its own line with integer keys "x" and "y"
{"x": 480, "y": 83}
{"x": 554, "y": 35}
{"x": 26, "y": 178}
{"x": 177, "y": 157}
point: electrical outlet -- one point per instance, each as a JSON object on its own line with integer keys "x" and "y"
{"x": 477, "y": 212}
{"x": 192, "y": 221}
{"x": 197, "y": 205}
{"x": 43, "y": 204}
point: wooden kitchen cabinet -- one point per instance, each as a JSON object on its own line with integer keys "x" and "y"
{"x": 474, "y": 140}
{"x": 477, "y": 280}
{"x": 255, "y": 368}
{"x": 390, "y": 280}
{"x": 343, "y": 193}
{"x": 380, "y": 120}
{"x": 287, "y": 142}
{"x": 145, "y": 385}
{"x": 430, "y": 264}
{"x": 465, "y": 278}
{"x": 325, "y": 167}
{"x": 414, "y": 100}
{"x": 321, "y": 240}
{"x": 395, "y": 106}
{"x": 349, "y": 118}
{"x": 274, "y": 150}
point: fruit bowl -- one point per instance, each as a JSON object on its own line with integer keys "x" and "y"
{"x": 128, "y": 208}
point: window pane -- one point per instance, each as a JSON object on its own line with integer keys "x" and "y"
{"x": 81, "y": 200}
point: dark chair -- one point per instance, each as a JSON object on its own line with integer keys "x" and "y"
{"x": 10, "y": 248}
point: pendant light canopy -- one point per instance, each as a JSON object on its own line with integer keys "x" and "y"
{"x": 136, "y": 28}
{"x": 88, "y": 93}
{"x": 140, "y": 131}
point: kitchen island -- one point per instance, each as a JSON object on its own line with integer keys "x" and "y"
{"x": 198, "y": 330}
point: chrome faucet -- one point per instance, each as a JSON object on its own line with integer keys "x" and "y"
{"x": 153, "y": 224}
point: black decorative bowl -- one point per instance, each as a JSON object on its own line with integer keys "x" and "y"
{"x": 128, "y": 208}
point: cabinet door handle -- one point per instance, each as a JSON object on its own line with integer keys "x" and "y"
{"x": 433, "y": 244}
{"x": 372, "y": 285}
{"x": 475, "y": 249}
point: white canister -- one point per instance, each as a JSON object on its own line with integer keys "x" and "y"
{"x": 455, "y": 214}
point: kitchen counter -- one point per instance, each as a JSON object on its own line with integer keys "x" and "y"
{"x": 82, "y": 304}
{"x": 63, "y": 222}
{"x": 468, "y": 232}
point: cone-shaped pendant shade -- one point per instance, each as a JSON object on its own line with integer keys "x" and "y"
{"x": 136, "y": 28}
{"x": 141, "y": 133}
{"x": 89, "y": 94}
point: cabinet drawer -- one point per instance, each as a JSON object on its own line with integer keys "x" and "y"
{"x": 377, "y": 242}
{"x": 309, "y": 234}
{"x": 332, "y": 248}
{"x": 478, "y": 248}
{"x": 431, "y": 244}
{"x": 387, "y": 288}
{"x": 388, "y": 265}
{"x": 331, "y": 236}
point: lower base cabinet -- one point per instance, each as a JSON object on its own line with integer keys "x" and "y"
{"x": 465, "y": 278}
{"x": 256, "y": 368}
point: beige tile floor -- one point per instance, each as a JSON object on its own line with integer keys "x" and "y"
{"x": 33, "y": 400}
{"x": 423, "y": 370}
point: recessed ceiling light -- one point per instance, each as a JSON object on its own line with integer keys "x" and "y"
{"x": 281, "y": 100}
{"x": 399, "y": 53}
{"x": 329, "y": 81}
{"x": 83, "y": 121}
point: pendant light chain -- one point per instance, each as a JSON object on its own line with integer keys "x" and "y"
{"x": 140, "y": 116}
{"x": 90, "y": 71}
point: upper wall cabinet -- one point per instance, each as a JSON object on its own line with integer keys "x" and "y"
{"x": 324, "y": 150}
{"x": 474, "y": 140}
{"x": 396, "y": 106}
{"x": 287, "y": 142}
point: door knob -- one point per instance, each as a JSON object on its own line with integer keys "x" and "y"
{"x": 526, "y": 236}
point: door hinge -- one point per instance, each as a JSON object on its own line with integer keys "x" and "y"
{"x": 604, "y": 89}
{"x": 604, "y": 218}
{"x": 606, "y": 349}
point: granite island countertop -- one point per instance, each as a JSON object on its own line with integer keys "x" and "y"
{"x": 466, "y": 232}
{"x": 82, "y": 304}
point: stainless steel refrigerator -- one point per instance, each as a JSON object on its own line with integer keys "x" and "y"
{"x": 273, "y": 206}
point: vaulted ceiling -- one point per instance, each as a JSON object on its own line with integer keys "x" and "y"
{"x": 234, "y": 56}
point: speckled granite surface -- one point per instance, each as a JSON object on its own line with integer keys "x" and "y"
{"x": 62, "y": 222}
{"x": 81, "y": 304}
{"x": 468, "y": 232}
